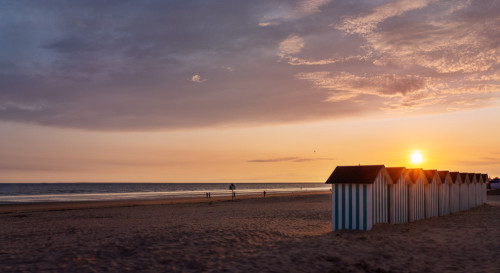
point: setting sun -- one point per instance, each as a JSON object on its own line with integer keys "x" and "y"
{"x": 416, "y": 157}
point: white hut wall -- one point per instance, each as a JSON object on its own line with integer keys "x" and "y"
{"x": 472, "y": 195}
{"x": 380, "y": 196}
{"x": 485, "y": 196}
{"x": 398, "y": 203}
{"x": 455, "y": 197}
{"x": 431, "y": 199}
{"x": 444, "y": 198}
{"x": 479, "y": 196}
{"x": 416, "y": 201}
{"x": 464, "y": 196}
{"x": 351, "y": 206}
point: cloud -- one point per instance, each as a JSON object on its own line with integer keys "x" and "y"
{"x": 268, "y": 23}
{"x": 287, "y": 11}
{"x": 288, "y": 159}
{"x": 367, "y": 23}
{"x": 63, "y": 65}
{"x": 380, "y": 84}
{"x": 197, "y": 78}
{"x": 482, "y": 161}
{"x": 291, "y": 45}
{"x": 307, "y": 7}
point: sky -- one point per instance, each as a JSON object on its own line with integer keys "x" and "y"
{"x": 245, "y": 91}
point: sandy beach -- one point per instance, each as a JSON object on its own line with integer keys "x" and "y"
{"x": 287, "y": 233}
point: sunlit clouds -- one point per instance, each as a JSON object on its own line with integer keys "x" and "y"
{"x": 197, "y": 78}
{"x": 99, "y": 73}
{"x": 367, "y": 23}
{"x": 291, "y": 45}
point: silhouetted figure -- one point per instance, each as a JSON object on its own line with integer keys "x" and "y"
{"x": 232, "y": 187}
{"x": 264, "y": 193}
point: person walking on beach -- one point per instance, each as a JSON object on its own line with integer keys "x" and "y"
{"x": 264, "y": 193}
{"x": 232, "y": 187}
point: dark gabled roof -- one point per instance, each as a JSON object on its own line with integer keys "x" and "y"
{"x": 429, "y": 174}
{"x": 395, "y": 173}
{"x": 355, "y": 174}
{"x": 464, "y": 176}
{"x": 471, "y": 177}
{"x": 414, "y": 174}
{"x": 454, "y": 176}
{"x": 485, "y": 177}
{"x": 478, "y": 176}
{"x": 443, "y": 175}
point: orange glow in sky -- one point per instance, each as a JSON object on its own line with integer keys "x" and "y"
{"x": 259, "y": 91}
{"x": 416, "y": 157}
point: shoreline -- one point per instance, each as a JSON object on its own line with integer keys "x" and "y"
{"x": 76, "y": 205}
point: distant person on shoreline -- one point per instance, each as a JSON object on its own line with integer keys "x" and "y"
{"x": 264, "y": 193}
{"x": 232, "y": 187}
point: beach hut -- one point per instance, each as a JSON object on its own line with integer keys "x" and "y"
{"x": 484, "y": 186}
{"x": 464, "y": 191}
{"x": 444, "y": 192}
{"x": 398, "y": 195}
{"x": 479, "y": 185}
{"x": 359, "y": 196}
{"x": 455, "y": 192}
{"x": 432, "y": 193}
{"x": 472, "y": 190}
{"x": 416, "y": 198}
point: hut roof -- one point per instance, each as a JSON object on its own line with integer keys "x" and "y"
{"x": 485, "y": 177}
{"x": 471, "y": 177}
{"x": 357, "y": 174}
{"x": 430, "y": 174}
{"x": 464, "y": 177}
{"x": 454, "y": 176}
{"x": 395, "y": 173}
{"x": 478, "y": 176}
{"x": 414, "y": 174}
{"x": 443, "y": 175}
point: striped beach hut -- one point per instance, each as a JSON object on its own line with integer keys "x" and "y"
{"x": 416, "y": 198}
{"x": 444, "y": 192}
{"x": 432, "y": 193}
{"x": 398, "y": 195}
{"x": 359, "y": 196}
{"x": 472, "y": 190}
{"x": 483, "y": 188}
{"x": 455, "y": 192}
{"x": 464, "y": 191}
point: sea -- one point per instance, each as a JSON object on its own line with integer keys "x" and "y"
{"x": 18, "y": 193}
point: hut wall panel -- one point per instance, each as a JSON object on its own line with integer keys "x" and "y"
{"x": 479, "y": 196}
{"x": 416, "y": 201}
{"x": 399, "y": 201}
{"x": 380, "y": 204}
{"x": 472, "y": 195}
{"x": 484, "y": 193}
{"x": 444, "y": 199}
{"x": 454, "y": 198}
{"x": 476, "y": 197}
{"x": 464, "y": 197}
{"x": 351, "y": 207}
{"x": 431, "y": 200}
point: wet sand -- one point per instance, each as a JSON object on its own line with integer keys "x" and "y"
{"x": 287, "y": 233}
